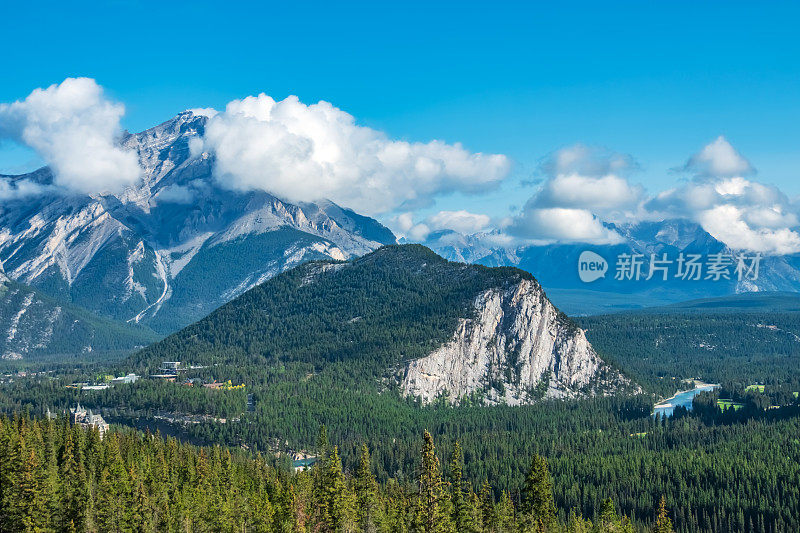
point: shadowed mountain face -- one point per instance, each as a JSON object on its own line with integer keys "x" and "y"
{"x": 175, "y": 247}
{"x": 32, "y": 325}
{"x": 556, "y": 266}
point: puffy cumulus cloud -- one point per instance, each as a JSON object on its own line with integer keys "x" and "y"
{"x": 591, "y": 178}
{"x": 462, "y": 222}
{"x": 735, "y": 227}
{"x": 743, "y": 214}
{"x": 718, "y": 159}
{"x": 74, "y": 128}
{"x": 586, "y": 186}
{"x": 583, "y": 186}
{"x": 586, "y": 161}
{"x": 308, "y": 152}
{"x": 560, "y": 224}
{"x": 609, "y": 194}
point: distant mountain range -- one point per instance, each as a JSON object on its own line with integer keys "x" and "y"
{"x": 556, "y": 266}
{"x": 172, "y": 249}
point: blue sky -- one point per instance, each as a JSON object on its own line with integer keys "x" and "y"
{"x": 656, "y": 80}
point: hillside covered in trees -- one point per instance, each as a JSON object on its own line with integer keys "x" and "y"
{"x": 312, "y": 348}
{"x": 58, "y": 477}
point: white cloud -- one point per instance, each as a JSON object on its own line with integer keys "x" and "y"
{"x": 586, "y": 186}
{"x": 460, "y": 221}
{"x": 309, "y": 152}
{"x": 718, "y": 159}
{"x": 586, "y": 161}
{"x": 743, "y": 214}
{"x": 562, "y": 224}
{"x": 74, "y": 128}
{"x": 592, "y": 178}
{"x": 14, "y": 190}
{"x": 729, "y": 224}
{"x": 207, "y": 112}
{"x": 175, "y": 194}
{"x": 583, "y": 185}
{"x": 606, "y": 194}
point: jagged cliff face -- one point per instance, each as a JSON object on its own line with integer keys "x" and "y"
{"x": 171, "y": 249}
{"x": 516, "y": 350}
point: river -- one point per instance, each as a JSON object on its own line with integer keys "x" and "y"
{"x": 683, "y": 398}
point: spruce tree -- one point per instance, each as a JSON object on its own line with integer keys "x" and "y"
{"x": 432, "y": 506}
{"x": 538, "y": 506}
{"x": 462, "y": 513}
{"x": 488, "y": 520}
{"x": 505, "y": 514}
{"x": 31, "y": 504}
{"x": 74, "y": 490}
{"x": 338, "y": 511}
{"x": 366, "y": 493}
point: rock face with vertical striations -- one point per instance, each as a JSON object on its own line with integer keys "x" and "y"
{"x": 518, "y": 348}
{"x": 33, "y": 325}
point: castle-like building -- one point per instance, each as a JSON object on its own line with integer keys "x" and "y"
{"x": 87, "y": 419}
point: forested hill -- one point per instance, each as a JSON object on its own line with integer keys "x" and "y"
{"x": 399, "y": 302}
{"x": 492, "y": 327}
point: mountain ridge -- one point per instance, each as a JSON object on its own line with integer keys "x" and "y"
{"x": 383, "y": 313}
{"x": 124, "y": 256}
{"x": 556, "y": 265}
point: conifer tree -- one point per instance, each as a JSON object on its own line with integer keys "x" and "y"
{"x": 337, "y": 506}
{"x": 663, "y": 523}
{"x": 505, "y": 514}
{"x": 432, "y": 505}
{"x": 462, "y": 514}
{"x": 366, "y": 493}
{"x": 74, "y": 488}
{"x": 487, "y": 508}
{"x": 31, "y": 504}
{"x": 538, "y": 507}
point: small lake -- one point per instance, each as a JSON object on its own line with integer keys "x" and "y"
{"x": 684, "y": 399}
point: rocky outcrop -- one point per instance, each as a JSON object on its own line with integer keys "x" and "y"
{"x": 516, "y": 349}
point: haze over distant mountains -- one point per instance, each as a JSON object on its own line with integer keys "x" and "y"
{"x": 556, "y": 266}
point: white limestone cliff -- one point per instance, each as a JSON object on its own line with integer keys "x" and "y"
{"x": 517, "y": 349}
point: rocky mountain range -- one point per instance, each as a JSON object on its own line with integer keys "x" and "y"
{"x": 171, "y": 249}
{"x": 556, "y": 266}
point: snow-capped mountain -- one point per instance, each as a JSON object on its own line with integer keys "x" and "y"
{"x": 556, "y": 266}
{"x": 176, "y": 246}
